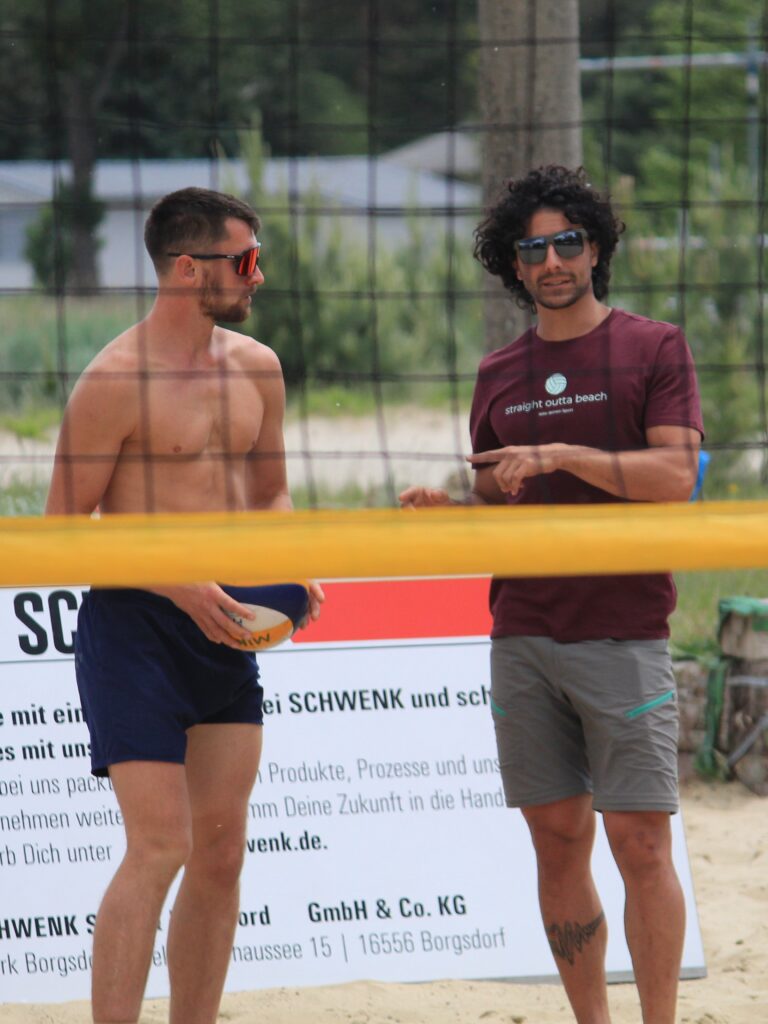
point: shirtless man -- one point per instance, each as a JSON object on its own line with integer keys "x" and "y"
{"x": 175, "y": 415}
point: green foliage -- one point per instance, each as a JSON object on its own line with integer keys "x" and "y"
{"x": 659, "y": 125}
{"x": 618, "y": 108}
{"x": 340, "y": 313}
{"x": 48, "y": 249}
{"x": 47, "y": 344}
{"x": 710, "y": 104}
{"x": 336, "y": 77}
{"x": 32, "y": 423}
{"x": 700, "y": 270}
{"x": 694, "y": 622}
{"x": 22, "y": 499}
{"x": 50, "y": 243}
{"x": 351, "y": 495}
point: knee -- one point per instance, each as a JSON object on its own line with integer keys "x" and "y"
{"x": 562, "y": 840}
{"x": 161, "y": 855}
{"x": 642, "y": 848}
{"x": 218, "y": 862}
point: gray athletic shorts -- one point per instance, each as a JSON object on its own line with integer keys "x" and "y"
{"x": 597, "y": 717}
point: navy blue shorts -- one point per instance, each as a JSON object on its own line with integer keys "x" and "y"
{"x": 146, "y": 673}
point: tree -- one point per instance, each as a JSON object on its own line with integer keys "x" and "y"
{"x": 72, "y": 58}
{"x": 530, "y": 105}
{"x": 153, "y": 78}
{"x": 51, "y": 246}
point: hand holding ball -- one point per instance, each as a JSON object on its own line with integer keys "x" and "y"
{"x": 278, "y": 610}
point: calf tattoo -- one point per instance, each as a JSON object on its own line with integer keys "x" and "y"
{"x": 568, "y": 939}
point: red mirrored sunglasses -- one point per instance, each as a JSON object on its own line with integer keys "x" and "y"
{"x": 244, "y": 262}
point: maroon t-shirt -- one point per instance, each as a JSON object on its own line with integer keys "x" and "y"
{"x": 604, "y": 390}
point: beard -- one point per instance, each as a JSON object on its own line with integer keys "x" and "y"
{"x": 569, "y": 295}
{"x": 217, "y": 304}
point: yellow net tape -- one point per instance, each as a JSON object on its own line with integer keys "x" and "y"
{"x": 138, "y": 550}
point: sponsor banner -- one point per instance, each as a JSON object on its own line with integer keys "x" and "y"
{"x": 378, "y": 843}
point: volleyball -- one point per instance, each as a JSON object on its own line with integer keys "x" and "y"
{"x": 277, "y": 611}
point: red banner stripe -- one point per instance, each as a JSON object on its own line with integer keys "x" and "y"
{"x": 401, "y": 610}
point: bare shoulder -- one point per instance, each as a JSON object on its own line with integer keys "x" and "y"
{"x": 119, "y": 357}
{"x": 108, "y": 385}
{"x": 249, "y": 353}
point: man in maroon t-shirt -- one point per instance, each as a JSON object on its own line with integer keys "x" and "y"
{"x": 590, "y": 405}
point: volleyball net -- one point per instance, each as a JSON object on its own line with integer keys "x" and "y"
{"x": 356, "y": 132}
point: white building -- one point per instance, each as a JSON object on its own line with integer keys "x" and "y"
{"x": 372, "y": 199}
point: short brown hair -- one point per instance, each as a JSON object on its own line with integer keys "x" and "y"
{"x": 192, "y": 218}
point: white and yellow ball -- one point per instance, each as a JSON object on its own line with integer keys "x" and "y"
{"x": 277, "y": 609}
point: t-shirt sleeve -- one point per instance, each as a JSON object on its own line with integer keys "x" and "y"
{"x": 673, "y": 391}
{"x": 483, "y": 436}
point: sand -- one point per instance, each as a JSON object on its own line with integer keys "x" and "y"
{"x": 406, "y": 444}
{"x": 727, "y": 832}
{"x": 726, "y": 825}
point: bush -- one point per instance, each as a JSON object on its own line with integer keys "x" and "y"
{"x": 50, "y": 245}
{"x": 388, "y": 323}
{"x": 708, "y": 285}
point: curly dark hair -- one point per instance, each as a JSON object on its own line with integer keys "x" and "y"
{"x": 552, "y": 187}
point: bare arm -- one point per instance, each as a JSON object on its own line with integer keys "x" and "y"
{"x": 664, "y": 471}
{"x": 267, "y": 476}
{"x": 97, "y": 420}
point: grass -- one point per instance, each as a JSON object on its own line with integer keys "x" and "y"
{"x": 46, "y": 344}
{"x": 331, "y": 401}
{"x": 33, "y": 423}
{"x": 352, "y": 495}
{"x": 338, "y": 400}
{"x": 694, "y": 623}
{"x": 23, "y": 499}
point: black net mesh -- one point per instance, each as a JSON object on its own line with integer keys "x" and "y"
{"x": 355, "y": 131}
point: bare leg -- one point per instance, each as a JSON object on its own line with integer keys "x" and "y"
{"x": 654, "y": 914}
{"x": 563, "y": 834}
{"x": 158, "y": 836}
{"x": 222, "y": 761}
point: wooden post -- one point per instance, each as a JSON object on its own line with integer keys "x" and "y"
{"x": 530, "y": 104}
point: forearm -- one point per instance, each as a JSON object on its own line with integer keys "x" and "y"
{"x": 476, "y": 497}
{"x": 651, "y": 474}
{"x": 278, "y": 503}
{"x": 72, "y": 492}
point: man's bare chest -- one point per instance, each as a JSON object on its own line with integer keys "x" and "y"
{"x": 189, "y": 415}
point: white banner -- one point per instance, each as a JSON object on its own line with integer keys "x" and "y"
{"x": 378, "y": 841}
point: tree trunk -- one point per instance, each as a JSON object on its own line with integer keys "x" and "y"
{"x": 530, "y": 105}
{"x": 84, "y": 88}
{"x": 84, "y": 276}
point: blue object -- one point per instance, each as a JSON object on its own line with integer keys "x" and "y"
{"x": 704, "y": 458}
{"x": 291, "y": 599}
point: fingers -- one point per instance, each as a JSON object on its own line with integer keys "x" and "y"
{"x": 213, "y": 615}
{"x": 512, "y": 465}
{"x": 509, "y": 477}
{"x": 482, "y": 458}
{"x": 229, "y": 605}
{"x": 423, "y": 497}
{"x": 409, "y": 498}
{"x": 221, "y": 629}
{"x": 316, "y": 598}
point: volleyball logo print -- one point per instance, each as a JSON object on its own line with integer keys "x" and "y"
{"x": 556, "y": 384}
